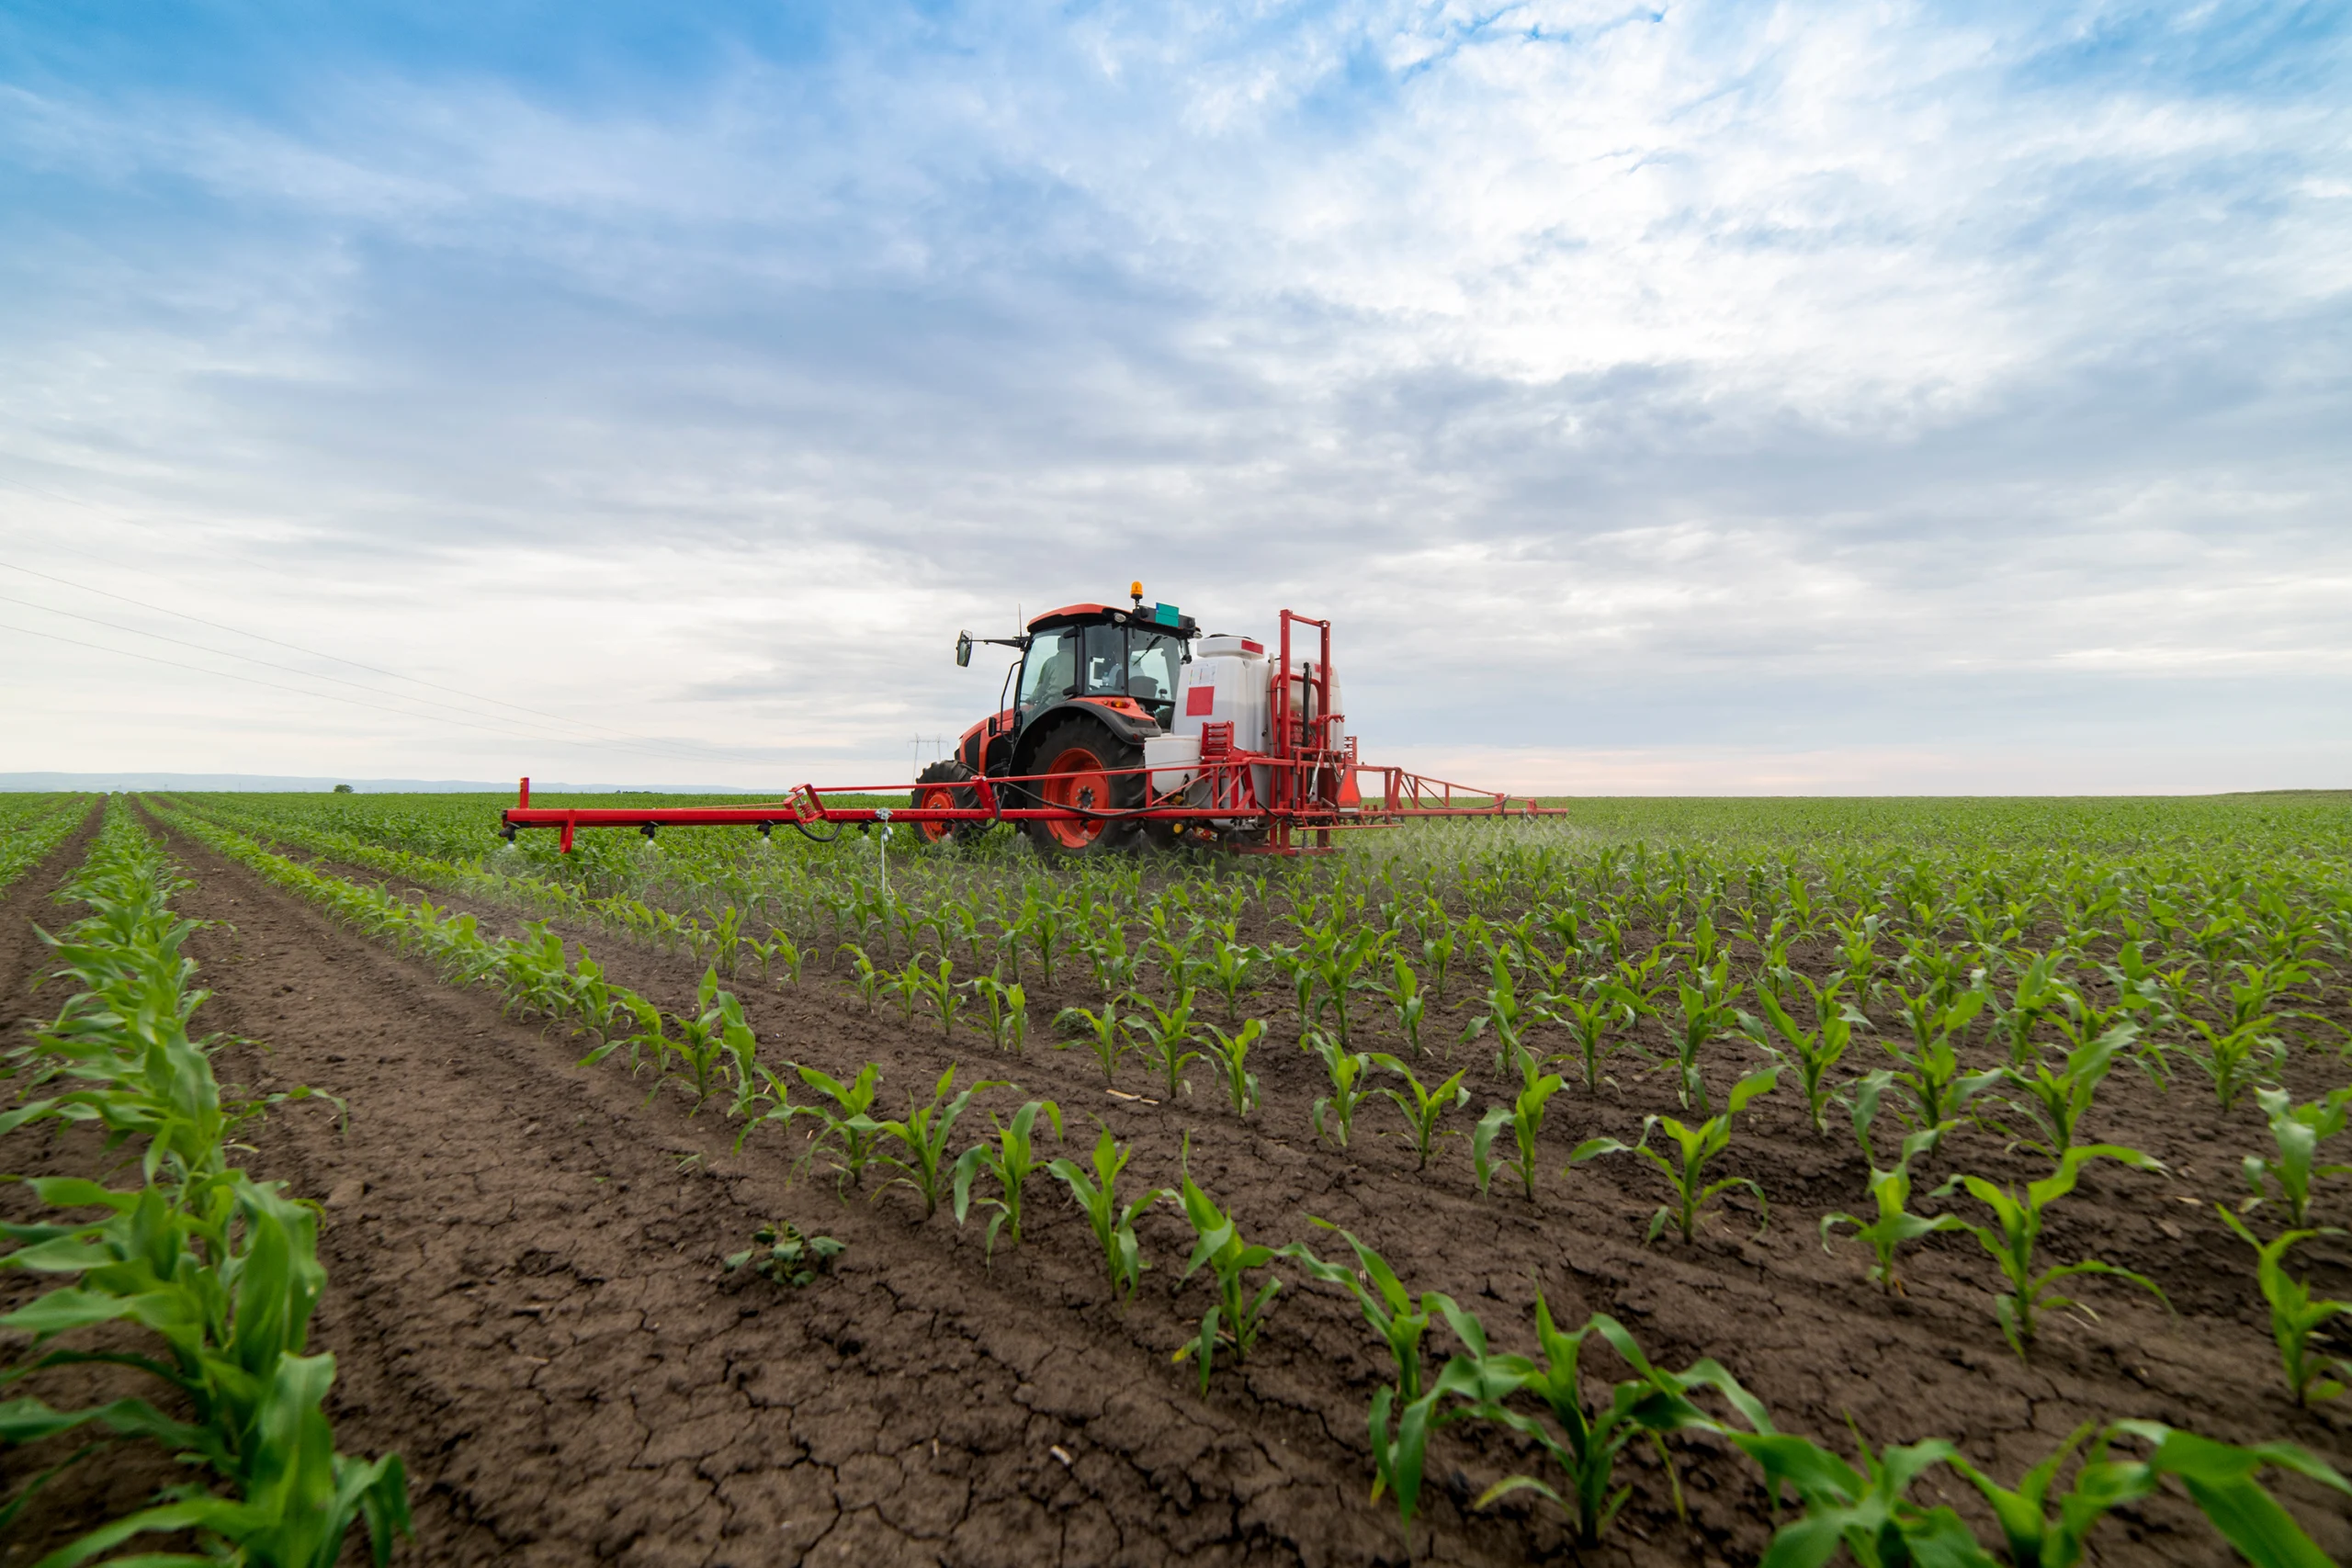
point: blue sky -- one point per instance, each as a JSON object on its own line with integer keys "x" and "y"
{"x": 1708, "y": 398}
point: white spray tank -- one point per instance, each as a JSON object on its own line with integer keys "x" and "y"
{"x": 1227, "y": 683}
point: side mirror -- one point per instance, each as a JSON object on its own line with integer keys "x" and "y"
{"x": 963, "y": 650}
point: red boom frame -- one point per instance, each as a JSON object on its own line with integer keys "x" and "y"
{"x": 1314, "y": 786}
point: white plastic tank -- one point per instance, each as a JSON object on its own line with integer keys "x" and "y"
{"x": 1227, "y": 681}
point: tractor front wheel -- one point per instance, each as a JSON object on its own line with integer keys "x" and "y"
{"x": 942, "y": 786}
{"x": 1083, "y": 770}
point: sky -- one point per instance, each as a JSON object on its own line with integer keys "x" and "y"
{"x": 1707, "y": 399}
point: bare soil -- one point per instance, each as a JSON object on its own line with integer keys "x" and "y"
{"x": 526, "y": 1298}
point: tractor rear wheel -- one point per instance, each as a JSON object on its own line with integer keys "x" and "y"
{"x": 1084, "y": 770}
{"x": 942, "y": 786}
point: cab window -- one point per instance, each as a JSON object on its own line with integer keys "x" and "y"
{"x": 1106, "y": 661}
{"x": 1151, "y": 668}
{"x": 1050, "y": 668}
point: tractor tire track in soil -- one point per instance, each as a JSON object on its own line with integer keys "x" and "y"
{"x": 1274, "y": 1462}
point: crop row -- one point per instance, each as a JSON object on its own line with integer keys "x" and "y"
{"x": 33, "y": 825}
{"x": 717, "y": 1056}
{"x": 222, "y": 1269}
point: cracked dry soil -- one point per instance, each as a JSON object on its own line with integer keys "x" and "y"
{"x": 525, "y": 1298}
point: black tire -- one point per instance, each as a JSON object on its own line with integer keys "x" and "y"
{"x": 964, "y": 797}
{"x": 1122, "y": 791}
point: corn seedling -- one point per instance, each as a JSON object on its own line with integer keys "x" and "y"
{"x": 1396, "y": 1314}
{"x": 1524, "y": 1117}
{"x": 1339, "y": 965}
{"x": 1003, "y": 1012}
{"x": 2057, "y": 1100}
{"x": 1231, "y": 1052}
{"x": 1098, "y": 1031}
{"x": 1113, "y": 1225}
{"x": 2234, "y": 1056}
{"x": 1347, "y": 1071}
{"x": 1597, "y": 1021}
{"x": 1693, "y": 1149}
{"x": 2220, "y": 1478}
{"x": 1896, "y": 1224}
{"x": 785, "y": 1257}
{"x": 1425, "y": 1107}
{"x": 847, "y": 1127}
{"x": 868, "y": 979}
{"x": 1406, "y": 998}
{"x": 2016, "y": 1232}
{"x": 1505, "y": 1016}
{"x": 2298, "y": 1130}
{"x": 1232, "y": 968}
{"x": 2295, "y": 1316}
{"x": 1651, "y": 1403}
{"x": 1165, "y": 1033}
{"x": 1703, "y": 1016}
{"x": 1868, "y": 1510}
{"x": 1011, "y": 1160}
{"x": 939, "y": 988}
{"x": 923, "y": 1163}
{"x": 2033, "y": 997}
{"x": 1814, "y": 1053}
{"x": 1237, "y": 1315}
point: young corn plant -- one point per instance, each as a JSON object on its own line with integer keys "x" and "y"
{"x": 1098, "y": 1031}
{"x": 1238, "y": 1315}
{"x": 1347, "y": 1071}
{"x": 846, "y": 1128}
{"x": 1012, "y": 1161}
{"x": 1422, "y": 1108}
{"x": 1704, "y": 1017}
{"x": 2298, "y": 1130}
{"x": 1003, "y": 1012}
{"x": 1404, "y": 997}
{"x": 2220, "y": 1478}
{"x": 1598, "y": 1021}
{"x": 1232, "y": 969}
{"x": 923, "y": 1166}
{"x": 1694, "y": 1147}
{"x": 1589, "y": 1439}
{"x": 1162, "y": 1033}
{"x": 1231, "y": 1052}
{"x": 1506, "y": 1018}
{"x": 1524, "y": 1117}
{"x": 1928, "y": 1068}
{"x": 2016, "y": 1232}
{"x": 2055, "y": 1100}
{"x": 868, "y": 978}
{"x": 1338, "y": 966}
{"x": 2034, "y": 998}
{"x": 1896, "y": 1224}
{"x": 1396, "y": 1314}
{"x": 939, "y": 988}
{"x": 1868, "y": 1510}
{"x": 2295, "y": 1317}
{"x": 1113, "y": 1224}
{"x": 2234, "y": 1056}
{"x": 1812, "y": 1053}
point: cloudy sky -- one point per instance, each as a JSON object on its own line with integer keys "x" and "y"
{"x": 1706, "y": 397}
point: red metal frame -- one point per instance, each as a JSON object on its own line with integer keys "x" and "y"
{"x": 1314, "y": 786}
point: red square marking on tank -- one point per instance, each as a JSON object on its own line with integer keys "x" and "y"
{"x": 1200, "y": 700}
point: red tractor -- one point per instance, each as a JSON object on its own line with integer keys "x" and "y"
{"x": 1094, "y": 684}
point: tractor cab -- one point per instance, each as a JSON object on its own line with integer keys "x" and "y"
{"x": 1125, "y": 659}
{"x": 1093, "y": 684}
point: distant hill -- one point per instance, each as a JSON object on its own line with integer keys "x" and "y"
{"x": 265, "y": 782}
